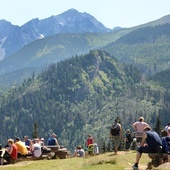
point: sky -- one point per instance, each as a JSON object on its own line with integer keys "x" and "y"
{"x": 111, "y": 13}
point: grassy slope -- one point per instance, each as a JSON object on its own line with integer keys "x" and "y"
{"x": 106, "y": 161}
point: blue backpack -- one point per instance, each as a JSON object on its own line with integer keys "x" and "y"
{"x": 51, "y": 141}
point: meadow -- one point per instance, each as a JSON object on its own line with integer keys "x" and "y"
{"x": 105, "y": 161}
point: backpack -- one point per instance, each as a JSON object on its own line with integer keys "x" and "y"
{"x": 51, "y": 141}
{"x": 115, "y": 129}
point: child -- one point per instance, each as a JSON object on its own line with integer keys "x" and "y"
{"x": 128, "y": 140}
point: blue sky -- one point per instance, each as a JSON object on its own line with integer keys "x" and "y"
{"x": 111, "y": 13}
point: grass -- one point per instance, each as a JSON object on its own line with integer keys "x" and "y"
{"x": 106, "y": 161}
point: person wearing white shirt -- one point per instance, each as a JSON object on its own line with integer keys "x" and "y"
{"x": 36, "y": 149}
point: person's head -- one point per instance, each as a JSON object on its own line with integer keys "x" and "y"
{"x": 10, "y": 142}
{"x": 89, "y": 136}
{"x": 147, "y": 128}
{"x": 33, "y": 141}
{"x": 78, "y": 146}
{"x": 53, "y": 135}
{"x": 168, "y": 123}
{"x": 164, "y": 133}
{"x": 128, "y": 131}
{"x": 17, "y": 139}
{"x": 141, "y": 119}
{"x": 25, "y": 137}
{"x": 42, "y": 139}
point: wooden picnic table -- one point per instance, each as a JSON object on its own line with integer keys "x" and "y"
{"x": 59, "y": 152}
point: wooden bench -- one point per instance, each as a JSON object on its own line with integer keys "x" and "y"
{"x": 61, "y": 152}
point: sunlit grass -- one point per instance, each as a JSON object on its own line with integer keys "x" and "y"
{"x": 107, "y": 161}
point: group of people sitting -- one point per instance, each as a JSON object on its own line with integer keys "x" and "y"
{"x": 16, "y": 148}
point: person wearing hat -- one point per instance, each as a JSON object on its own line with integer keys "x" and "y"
{"x": 52, "y": 141}
{"x": 22, "y": 149}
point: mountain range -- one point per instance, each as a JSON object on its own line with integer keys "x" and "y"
{"x": 13, "y": 37}
{"x": 39, "y": 43}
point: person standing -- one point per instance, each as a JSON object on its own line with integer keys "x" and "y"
{"x": 128, "y": 140}
{"x": 153, "y": 142}
{"x": 116, "y": 135}
{"x": 139, "y": 129}
{"x": 89, "y": 141}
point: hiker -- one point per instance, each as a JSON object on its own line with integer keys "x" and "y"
{"x": 166, "y": 144}
{"x": 79, "y": 152}
{"x": 153, "y": 143}
{"x": 22, "y": 149}
{"x": 139, "y": 129}
{"x": 4, "y": 155}
{"x": 89, "y": 141}
{"x": 28, "y": 142}
{"x": 128, "y": 140}
{"x": 116, "y": 135}
{"x": 36, "y": 148}
{"x": 52, "y": 141}
{"x": 167, "y": 126}
{"x": 13, "y": 151}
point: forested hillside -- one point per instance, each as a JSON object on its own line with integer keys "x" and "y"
{"x": 147, "y": 48}
{"x": 78, "y": 96}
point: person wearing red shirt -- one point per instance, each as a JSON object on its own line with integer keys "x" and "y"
{"x": 12, "y": 150}
{"x": 89, "y": 140}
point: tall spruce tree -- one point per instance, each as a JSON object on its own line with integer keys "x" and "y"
{"x": 35, "y": 130}
{"x": 158, "y": 128}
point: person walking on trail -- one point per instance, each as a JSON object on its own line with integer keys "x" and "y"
{"x": 139, "y": 129}
{"x": 153, "y": 143}
{"x": 116, "y": 135}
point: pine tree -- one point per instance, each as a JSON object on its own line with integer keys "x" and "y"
{"x": 35, "y": 130}
{"x": 158, "y": 126}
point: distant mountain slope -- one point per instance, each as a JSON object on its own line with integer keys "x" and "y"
{"x": 147, "y": 47}
{"x": 162, "y": 78}
{"x": 41, "y": 53}
{"x": 70, "y": 21}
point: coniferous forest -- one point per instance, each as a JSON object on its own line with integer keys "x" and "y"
{"x": 82, "y": 95}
